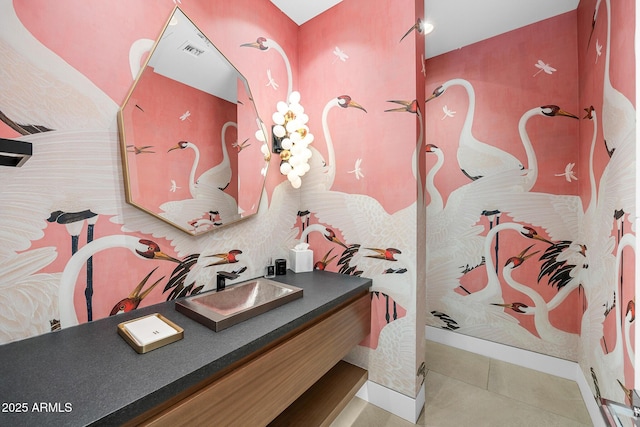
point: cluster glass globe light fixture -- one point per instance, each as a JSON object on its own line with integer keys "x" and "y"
{"x": 293, "y": 134}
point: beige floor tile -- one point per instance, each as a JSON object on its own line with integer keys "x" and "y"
{"x": 450, "y": 402}
{"x": 359, "y": 413}
{"x": 350, "y": 413}
{"x": 421, "y": 421}
{"x": 465, "y": 389}
{"x": 462, "y": 365}
{"x": 547, "y": 392}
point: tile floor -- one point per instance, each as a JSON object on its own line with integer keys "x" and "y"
{"x": 465, "y": 389}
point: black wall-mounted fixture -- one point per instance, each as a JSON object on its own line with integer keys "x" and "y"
{"x": 14, "y": 153}
{"x": 276, "y": 144}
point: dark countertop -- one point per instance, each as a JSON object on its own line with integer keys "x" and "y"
{"x": 88, "y": 374}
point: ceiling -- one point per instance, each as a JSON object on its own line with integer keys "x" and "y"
{"x": 479, "y": 19}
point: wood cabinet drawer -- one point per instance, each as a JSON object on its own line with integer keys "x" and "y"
{"x": 257, "y": 391}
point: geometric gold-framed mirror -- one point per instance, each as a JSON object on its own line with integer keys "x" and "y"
{"x": 188, "y": 134}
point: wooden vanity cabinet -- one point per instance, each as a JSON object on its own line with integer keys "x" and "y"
{"x": 298, "y": 377}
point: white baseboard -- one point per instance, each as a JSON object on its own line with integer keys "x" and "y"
{"x": 398, "y": 404}
{"x": 536, "y": 361}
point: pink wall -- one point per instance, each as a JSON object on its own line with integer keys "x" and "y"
{"x": 71, "y": 73}
{"x": 507, "y": 84}
{"x": 608, "y": 356}
{"x": 550, "y": 62}
{"x": 376, "y": 208}
{"x": 68, "y": 69}
{"x": 164, "y": 100}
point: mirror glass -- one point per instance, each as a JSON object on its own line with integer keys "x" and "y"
{"x": 188, "y": 134}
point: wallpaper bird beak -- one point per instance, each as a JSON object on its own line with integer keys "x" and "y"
{"x": 417, "y": 26}
{"x": 407, "y": 106}
{"x": 163, "y": 256}
{"x": 137, "y": 294}
{"x": 522, "y": 255}
{"x": 356, "y": 105}
{"x": 567, "y": 114}
{"x": 254, "y": 45}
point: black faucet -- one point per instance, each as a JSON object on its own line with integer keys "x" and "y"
{"x": 222, "y": 276}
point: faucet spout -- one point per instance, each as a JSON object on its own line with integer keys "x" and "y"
{"x": 221, "y": 279}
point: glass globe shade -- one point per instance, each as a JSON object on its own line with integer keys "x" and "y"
{"x": 297, "y": 109}
{"x": 285, "y": 168}
{"x": 282, "y": 107}
{"x": 279, "y": 131}
{"x": 278, "y": 118}
{"x": 294, "y": 98}
{"x": 293, "y": 126}
{"x": 295, "y": 137}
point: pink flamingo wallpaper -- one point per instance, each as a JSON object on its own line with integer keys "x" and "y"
{"x": 195, "y": 116}
{"x": 531, "y": 191}
{"x": 496, "y": 143}
{"x": 364, "y": 208}
{"x": 73, "y": 249}
{"x": 502, "y": 208}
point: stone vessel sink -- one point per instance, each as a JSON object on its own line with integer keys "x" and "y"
{"x": 237, "y": 303}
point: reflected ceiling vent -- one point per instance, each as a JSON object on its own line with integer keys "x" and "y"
{"x": 302, "y": 11}
{"x": 204, "y": 39}
{"x": 14, "y": 153}
{"x": 192, "y": 49}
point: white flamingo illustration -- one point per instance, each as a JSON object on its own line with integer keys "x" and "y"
{"x": 138, "y": 49}
{"x": 26, "y": 306}
{"x": 475, "y": 158}
{"x": 353, "y": 215}
{"x": 540, "y": 310}
{"x": 492, "y": 291}
{"x": 627, "y": 241}
{"x": 321, "y": 172}
{"x": 618, "y": 113}
{"x": 142, "y": 248}
{"x": 218, "y": 176}
{"x": 363, "y": 220}
{"x": 316, "y": 162}
{"x": 53, "y": 95}
{"x": 532, "y": 161}
{"x": 609, "y": 363}
{"x": 454, "y": 232}
{"x": 372, "y": 219}
{"x": 436, "y": 204}
{"x": 478, "y": 314}
{"x": 630, "y": 317}
{"x": 47, "y": 191}
{"x": 273, "y": 222}
{"x": 184, "y": 212}
{"x": 564, "y": 219}
{"x": 45, "y": 81}
{"x": 265, "y": 44}
{"x": 47, "y": 182}
{"x": 70, "y": 122}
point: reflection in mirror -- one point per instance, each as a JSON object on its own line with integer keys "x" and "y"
{"x": 188, "y": 134}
